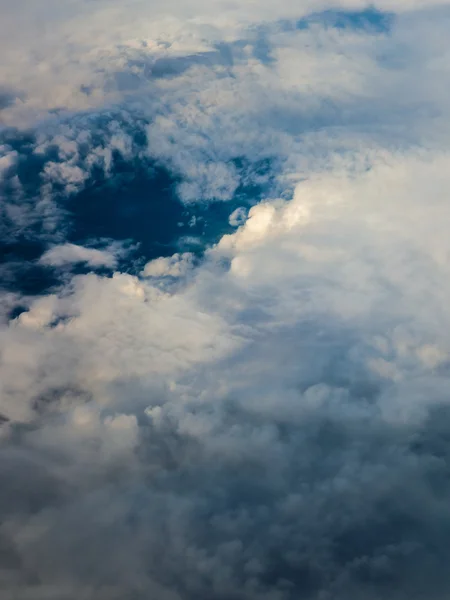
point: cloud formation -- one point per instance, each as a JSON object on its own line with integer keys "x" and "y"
{"x": 66, "y": 254}
{"x": 264, "y": 417}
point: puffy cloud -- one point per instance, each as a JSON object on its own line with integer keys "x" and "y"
{"x": 66, "y": 254}
{"x": 173, "y": 266}
{"x": 209, "y": 96}
{"x": 268, "y": 420}
{"x": 90, "y": 314}
{"x": 269, "y": 431}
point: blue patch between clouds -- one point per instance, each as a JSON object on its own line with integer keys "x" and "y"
{"x": 139, "y": 204}
{"x": 370, "y": 20}
{"x": 135, "y": 203}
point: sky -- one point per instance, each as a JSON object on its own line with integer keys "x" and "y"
{"x": 224, "y": 315}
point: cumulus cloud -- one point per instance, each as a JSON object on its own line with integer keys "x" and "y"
{"x": 264, "y": 430}
{"x": 266, "y": 419}
{"x": 66, "y": 254}
{"x": 173, "y": 266}
{"x": 237, "y": 217}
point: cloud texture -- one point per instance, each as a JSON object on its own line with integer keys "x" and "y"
{"x": 224, "y": 349}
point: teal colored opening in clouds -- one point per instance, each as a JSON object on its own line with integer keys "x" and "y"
{"x": 370, "y": 20}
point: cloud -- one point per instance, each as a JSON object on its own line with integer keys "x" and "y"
{"x": 274, "y": 430}
{"x": 173, "y": 266}
{"x": 270, "y": 91}
{"x": 66, "y": 254}
{"x": 265, "y": 419}
{"x": 238, "y": 217}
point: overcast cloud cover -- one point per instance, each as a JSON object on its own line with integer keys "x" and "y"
{"x": 224, "y": 300}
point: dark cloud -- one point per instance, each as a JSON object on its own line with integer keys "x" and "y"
{"x": 8, "y": 97}
{"x": 325, "y": 507}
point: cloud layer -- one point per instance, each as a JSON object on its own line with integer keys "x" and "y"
{"x": 224, "y": 359}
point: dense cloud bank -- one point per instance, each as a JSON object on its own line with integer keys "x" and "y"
{"x": 224, "y": 348}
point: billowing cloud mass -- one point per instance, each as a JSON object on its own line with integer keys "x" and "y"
{"x": 224, "y": 300}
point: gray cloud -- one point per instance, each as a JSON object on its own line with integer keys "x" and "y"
{"x": 247, "y": 434}
{"x": 268, "y": 422}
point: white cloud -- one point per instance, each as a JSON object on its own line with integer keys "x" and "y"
{"x": 105, "y": 329}
{"x": 317, "y": 93}
{"x": 173, "y": 266}
{"x": 269, "y": 422}
{"x": 7, "y": 159}
{"x": 66, "y": 254}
